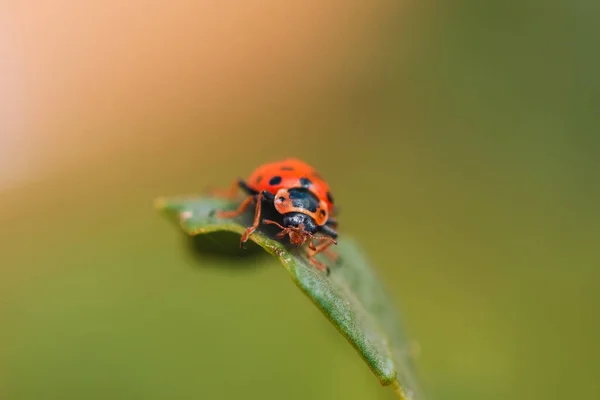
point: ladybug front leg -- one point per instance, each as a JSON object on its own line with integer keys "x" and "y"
{"x": 314, "y": 250}
{"x": 329, "y": 253}
{"x": 255, "y": 223}
{"x": 259, "y": 198}
{"x": 240, "y": 211}
{"x": 328, "y": 230}
{"x": 322, "y": 248}
{"x": 262, "y": 196}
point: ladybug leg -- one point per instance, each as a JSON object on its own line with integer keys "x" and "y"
{"x": 314, "y": 250}
{"x": 333, "y": 256}
{"x": 332, "y": 222}
{"x": 235, "y": 213}
{"x": 250, "y": 230}
{"x": 328, "y": 230}
{"x": 244, "y": 186}
{"x": 236, "y": 185}
{"x": 322, "y": 248}
{"x": 319, "y": 265}
{"x": 231, "y": 193}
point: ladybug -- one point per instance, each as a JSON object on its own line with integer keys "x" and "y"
{"x": 296, "y": 199}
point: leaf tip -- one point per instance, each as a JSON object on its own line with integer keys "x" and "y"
{"x": 388, "y": 378}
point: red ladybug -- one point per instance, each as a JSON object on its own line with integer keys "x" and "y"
{"x": 296, "y": 199}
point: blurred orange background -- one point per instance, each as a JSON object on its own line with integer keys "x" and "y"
{"x": 88, "y": 80}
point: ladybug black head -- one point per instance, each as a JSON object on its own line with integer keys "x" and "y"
{"x": 295, "y": 219}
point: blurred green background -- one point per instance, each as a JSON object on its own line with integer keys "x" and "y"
{"x": 461, "y": 141}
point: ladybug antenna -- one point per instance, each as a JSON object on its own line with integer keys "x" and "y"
{"x": 332, "y": 240}
{"x": 298, "y": 230}
{"x": 270, "y": 222}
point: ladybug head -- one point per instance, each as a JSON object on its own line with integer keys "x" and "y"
{"x": 300, "y": 220}
{"x": 300, "y": 228}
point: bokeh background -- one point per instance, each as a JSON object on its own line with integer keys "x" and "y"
{"x": 461, "y": 140}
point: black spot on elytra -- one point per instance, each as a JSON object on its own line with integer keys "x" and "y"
{"x": 323, "y": 212}
{"x": 286, "y": 168}
{"x": 276, "y": 180}
{"x": 330, "y": 197}
{"x": 305, "y": 182}
{"x": 258, "y": 179}
{"x": 301, "y": 198}
{"x": 281, "y": 199}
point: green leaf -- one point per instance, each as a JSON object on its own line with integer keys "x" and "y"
{"x": 351, "y": 297}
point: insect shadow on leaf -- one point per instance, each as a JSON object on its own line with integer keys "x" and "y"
{"x": 206, "y": 249}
